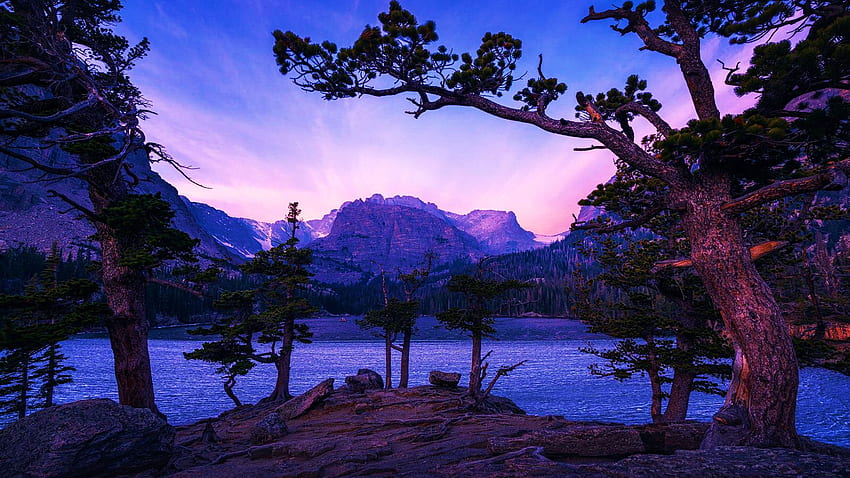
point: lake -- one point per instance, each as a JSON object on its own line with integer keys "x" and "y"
{"x": 553, "y": 381}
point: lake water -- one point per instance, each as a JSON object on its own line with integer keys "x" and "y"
{"x": 554, "y": 380}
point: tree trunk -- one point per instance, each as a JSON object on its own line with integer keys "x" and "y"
{"x": 761, "y": 401}
{"x": 50, "y": 375}
{"x": 683, "y": 378}
{"x": 388, "y": 359}
{"x": 404, "y": 372}
{"x": 654, "y": 373}
{"x": 124, "y": 289}
{"x": 127, "y": 327}
{"x": 25, "y": 385}
{"x": 475, "y": 373}
{"x": 284, "y": 363}
{"x": 680, "y": 396}
{"x": 228, "y": 389}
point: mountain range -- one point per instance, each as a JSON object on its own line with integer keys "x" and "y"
{"x": 360, "y": 237}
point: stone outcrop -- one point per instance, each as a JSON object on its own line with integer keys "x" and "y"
{"x": 89, "y": 438}
{"x": 299, "y": 405}
{"x": 443, "y": 379}
{"x": 268, "y": 429}
{"x": 364, "y": 380}
{"x": 430, "y": 431}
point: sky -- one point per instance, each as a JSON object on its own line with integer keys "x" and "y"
{"x": 259, "y": 142}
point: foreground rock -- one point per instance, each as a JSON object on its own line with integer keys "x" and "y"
{"x": 300, "y": 404}
{"x": 364, "y": 380}
{"x": 444, "y": 379}
{"x": 432, "y": 431}
{"x": 89, "y": 438}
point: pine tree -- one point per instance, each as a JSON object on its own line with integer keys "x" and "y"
{"x": 476, "y": 317}
{"x": 31, "y": 326}
{"x": 281, "y": 301}
{"x": 715, "y": 168}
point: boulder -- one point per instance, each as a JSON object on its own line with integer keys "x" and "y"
{"x": 299, "y": 405}
{"x": 89, "y": 438}
{"x": 444, "y": 379}
{"x": 364, "y": 380}
{"x": 268, "y": 429}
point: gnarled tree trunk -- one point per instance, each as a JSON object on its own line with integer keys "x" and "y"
{"x": 124, "y": 289}
{"x": 284, "y": 363}
{"x": 761, "y": 401}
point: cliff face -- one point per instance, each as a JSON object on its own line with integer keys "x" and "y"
{"x": 374, "y": 235}
{"x": 30, "y": 216}
{"x": 498, "y": 232}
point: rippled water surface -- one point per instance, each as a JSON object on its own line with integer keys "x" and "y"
{"x": 554, "y": 379}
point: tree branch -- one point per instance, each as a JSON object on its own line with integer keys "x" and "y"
{"x": 756, "y": 252}
{"x": 636, "y": 24}
{"x": 79, "y": 207}
{"x": 654, "y": 118}
{"x": 630, "y": 224}
{"x": 835, "y": 177}
{"x": 175, "y": 285}
{"x": 10, "y": 113}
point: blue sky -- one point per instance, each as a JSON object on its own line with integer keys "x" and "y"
{"x": 260, "y": 142}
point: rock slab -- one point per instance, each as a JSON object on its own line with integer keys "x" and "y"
{"x": 89, "y": 438}
{"x": 364, "y": 380}
{"x": 299, "y": 405}
{"x": 443, "y": 379}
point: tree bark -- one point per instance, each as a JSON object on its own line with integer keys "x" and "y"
{"x": 404, "y": 372}
{"x": 124, "y": 289}
{"x": 683, "y": 379}
{"x": 680, "y": 397}
{"x": 388, "y": 360}
{"x": 228, "y": 389}
{"x": 475, "y": 372}
{"x": 127, "y": 327}
{"x": 763, "y": 390}
{"x": 654, "y": 381}
{"x": 284, "y": 363}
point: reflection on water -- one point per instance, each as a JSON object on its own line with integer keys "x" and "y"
{"x": 554, "y": 379}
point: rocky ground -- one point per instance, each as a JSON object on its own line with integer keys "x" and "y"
{"x": 360, "y": 429}
{"x": 430, "y": 431}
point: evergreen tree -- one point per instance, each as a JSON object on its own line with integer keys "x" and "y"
{"x": 663, "y": 323}
{"x": 281, "y": 301}
{"x": 31, "y": 326}
{"x": 234, "y": 350}
{"x": 476, "y": 317}
{"x": 398, "y": 317}
{"x": 715, "y": 168}
{"x": 65, "y": 89}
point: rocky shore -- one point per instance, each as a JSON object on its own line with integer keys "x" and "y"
{"x": 357, "y": 430}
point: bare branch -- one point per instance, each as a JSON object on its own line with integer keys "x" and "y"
{"x": 835, "y": 177}
{"x": 76, "y": 108}
{"x": 34, "y": 163}
{"x": 77, "y": 206}
{"x": 601, "y": 227}
{"x": 636, "y": 24}
{"x": 175, "y": 285}
{"x": 756, "y": 252}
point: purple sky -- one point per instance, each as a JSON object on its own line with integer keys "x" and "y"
{"x": 260, "y": 142}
